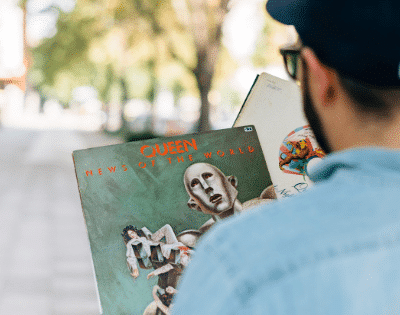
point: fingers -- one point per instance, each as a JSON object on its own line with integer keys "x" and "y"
{"x": 150, "y": 275}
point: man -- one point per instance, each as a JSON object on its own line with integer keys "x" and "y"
{"x": 146, "y": 244}
{"x": 333, "y": 249}
{"x": 148, "y": 250}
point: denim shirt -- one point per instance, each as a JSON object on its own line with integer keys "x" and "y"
{"x": 333, "y": 249}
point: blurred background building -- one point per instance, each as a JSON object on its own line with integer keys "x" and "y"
{"x": 83, "y": 73}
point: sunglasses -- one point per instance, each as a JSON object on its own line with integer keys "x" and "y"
{"x": 291, "y": 58}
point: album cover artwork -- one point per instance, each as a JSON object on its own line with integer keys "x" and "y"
{"x": 274, "y": 107}
{"x": 146, "y": 204}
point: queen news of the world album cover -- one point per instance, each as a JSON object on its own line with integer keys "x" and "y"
{"x": 146, "y": 204}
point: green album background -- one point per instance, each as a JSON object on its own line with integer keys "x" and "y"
{"x": 119, "y": 186}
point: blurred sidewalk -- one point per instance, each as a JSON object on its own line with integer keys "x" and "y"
{"x": 45, "y": 261}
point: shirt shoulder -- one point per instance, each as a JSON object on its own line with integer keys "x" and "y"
{"x": 261, "y": 247}
{"x": 230, "y": 252}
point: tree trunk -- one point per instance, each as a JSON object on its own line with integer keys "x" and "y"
{"x": 204, "y": 120}
{"x": 151, "y": 95}
{"x": 207, "y": 32}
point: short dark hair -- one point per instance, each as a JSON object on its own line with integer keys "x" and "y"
{"x": 354, "y": 37}
{"x": 368, "y": 99}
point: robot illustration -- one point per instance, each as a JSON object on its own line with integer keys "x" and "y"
{"x": 297, "y": 150}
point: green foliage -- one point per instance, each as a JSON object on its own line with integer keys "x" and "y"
{"x": 22, "y": 3}
{"x": 261, "y": 57}
{"x": 138, "y": 81}
{"x": 61, "y": 61}
{"x": 272, "y": 36}
{"x": 140, "y": 45}
{"x": 110, "y": 40}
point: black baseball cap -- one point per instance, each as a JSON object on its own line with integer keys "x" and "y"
{"x": 358, "y": 38}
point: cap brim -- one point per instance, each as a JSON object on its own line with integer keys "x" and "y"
{"x": 288, "y": 12}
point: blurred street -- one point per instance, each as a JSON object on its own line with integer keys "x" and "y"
{"x": 45, "y": 261}
{"x": 70, "y": 68}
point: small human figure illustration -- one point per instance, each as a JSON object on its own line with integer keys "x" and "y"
{"x": 163, "y": 252}
{"x": 163, "y": 298}
{"x": 147, "y": 248}
{"x": 185, "y": 257}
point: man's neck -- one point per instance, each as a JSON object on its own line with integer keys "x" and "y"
{"x": 347, "y": 127}
{"x": 372, "y": 133}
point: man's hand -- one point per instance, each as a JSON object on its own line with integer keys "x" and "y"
{"x": 135, "y": 273}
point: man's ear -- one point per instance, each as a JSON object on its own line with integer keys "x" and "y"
{"x": 233, "y": 180}
{"x": 322, "y": 80}
{"x": 193, "y": 205}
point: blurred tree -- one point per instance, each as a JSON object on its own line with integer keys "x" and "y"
{"x": 205, "y": 20}
{"x": 273, "y": 35}
{"x": 107, "y": 41}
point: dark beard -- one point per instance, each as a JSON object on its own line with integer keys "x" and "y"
{"x": 311, "y": 114}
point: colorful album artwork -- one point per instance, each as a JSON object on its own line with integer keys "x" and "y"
{"x": 146, "y": 204}
{"x": 299, "y": 150}
{"x": 274, "y": 107}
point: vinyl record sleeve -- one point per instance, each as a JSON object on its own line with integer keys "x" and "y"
{"x": 141, "y": 184}
{"x": 274, "y": 107}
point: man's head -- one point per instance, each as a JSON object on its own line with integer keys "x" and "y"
{"x": 349, "y": 66}
{"x": 131, "y": 232}
{"x": 209, "y": 189}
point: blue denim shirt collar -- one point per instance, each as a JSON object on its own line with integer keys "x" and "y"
{"x": 359, "y": 158}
